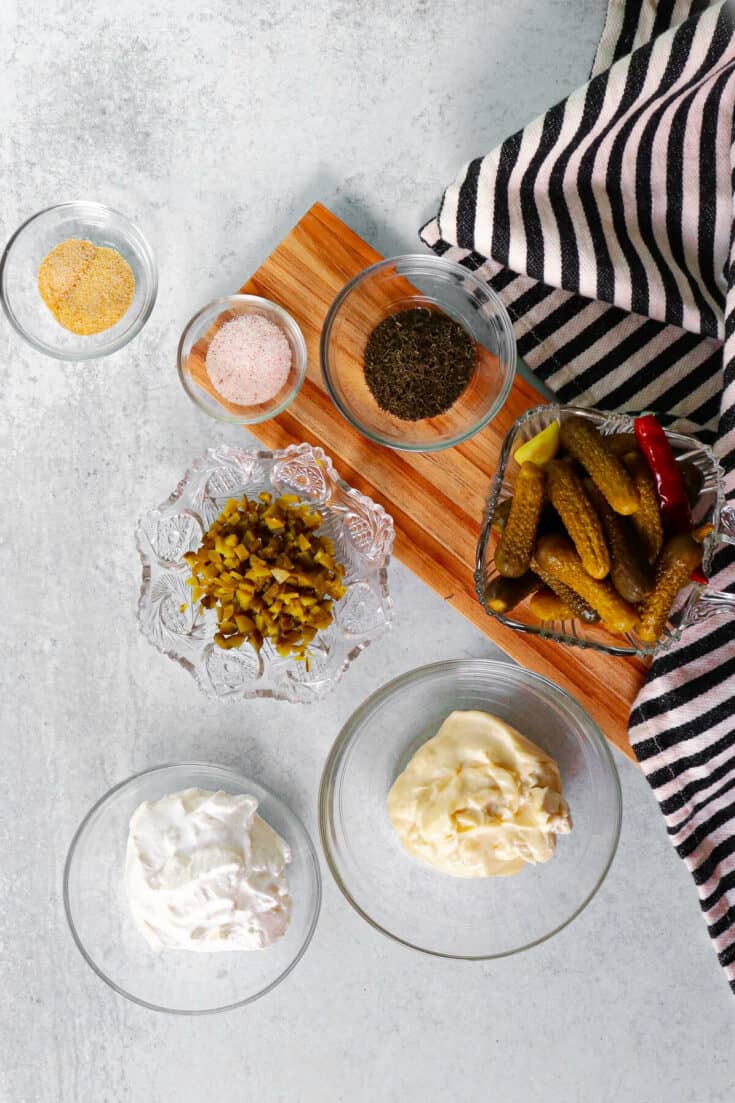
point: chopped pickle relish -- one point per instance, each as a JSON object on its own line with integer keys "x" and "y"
{"x": 268, "y": 574}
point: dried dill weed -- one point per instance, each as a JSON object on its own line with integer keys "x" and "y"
{"x": 88, "y": 288}
{"x": 418, "y": 362}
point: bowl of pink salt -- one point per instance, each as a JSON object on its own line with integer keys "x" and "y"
{"x": 242, "y": 359}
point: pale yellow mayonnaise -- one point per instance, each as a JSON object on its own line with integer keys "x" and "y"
{"x": 479, "y": 800}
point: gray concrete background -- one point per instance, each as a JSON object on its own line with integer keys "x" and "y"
{"x": 215, "y": 125}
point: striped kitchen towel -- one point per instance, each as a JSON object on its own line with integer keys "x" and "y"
{"x": 607, "y": 226}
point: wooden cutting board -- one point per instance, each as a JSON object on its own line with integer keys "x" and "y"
{"x": 436, "y": 500}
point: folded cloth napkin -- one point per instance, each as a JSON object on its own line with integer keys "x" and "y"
{"x": 607, "y": 227}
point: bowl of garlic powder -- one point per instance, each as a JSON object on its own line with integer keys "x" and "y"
{"x": 78, "y": 280}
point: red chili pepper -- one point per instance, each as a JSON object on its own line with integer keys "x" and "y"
{"x": 672, "y": 495}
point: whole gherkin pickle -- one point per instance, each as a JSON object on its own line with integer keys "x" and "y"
{"x": 607, "y": 472}
{"x": 571, "y": 598}
{"x": 500, "y": 515}
{"x": 515, "y": 547}
{"x": 503, "y": 594}
{"x": 571, "y": 502}
{"x": 546, "y": 605}
{"x": 647, "y": 518}
{"x": 620, "y": 443}
{"x": 693, "y": 481}
{"x": 630, "y": 572}
{"x": 681, "y": 555}
{"x": 547, "y": 521}
{"x": 555, "y": 556}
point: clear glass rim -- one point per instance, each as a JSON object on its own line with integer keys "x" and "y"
{"x": 487, "y": 667}
{"x": 108, "y": 980}
{"x": 289, "y": 323}
{"x": 123, "y": 338}
{"x": 428, "y": 261}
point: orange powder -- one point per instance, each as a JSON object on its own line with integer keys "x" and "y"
{"x": 86, "y": 287}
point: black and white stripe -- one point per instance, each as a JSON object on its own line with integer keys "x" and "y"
{"x": 607, "y": 226}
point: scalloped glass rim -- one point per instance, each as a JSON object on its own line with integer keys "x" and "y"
{"x": 697, "y": 601}
{"x": 363, "y": 533}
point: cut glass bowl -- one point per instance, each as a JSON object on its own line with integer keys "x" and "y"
{"x": 363, "y": 538}
{"x": 695, "y": 601}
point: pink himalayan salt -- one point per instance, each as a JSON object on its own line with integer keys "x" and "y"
{"x": 248, "y": 360}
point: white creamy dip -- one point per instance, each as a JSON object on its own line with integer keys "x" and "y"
{"x": 478, "y": 799}
{"x": 204, "y": 872}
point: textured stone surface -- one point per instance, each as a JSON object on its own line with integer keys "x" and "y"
{"x": 215, "y": 125}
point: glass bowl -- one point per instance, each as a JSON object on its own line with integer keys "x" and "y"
{"x": 404, "y": 283}
{"x": 695, "y": 602}
{"x": 179, "y": 982}
{"x": 21, "y": 261}
{"x": 430, "y": 911}
{"x": 192, "y": 356}
{"x": 363, "y": 538}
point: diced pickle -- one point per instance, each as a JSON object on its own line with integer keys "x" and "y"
{"x": 267, "y": 574}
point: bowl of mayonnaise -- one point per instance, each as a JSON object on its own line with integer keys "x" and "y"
{"x": 470, "y": 809}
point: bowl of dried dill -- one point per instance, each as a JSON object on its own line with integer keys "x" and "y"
{"x": 418, "y": 353}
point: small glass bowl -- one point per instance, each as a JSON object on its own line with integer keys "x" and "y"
{"x": 695, "y": 602}
{"x": 179, "y": 982}
{"x": 192, "y": 356}
{"x": 405, "y": 283}
{"x": 477, "y": 918}
{"x": 22, "y": 259}
{"x": 362, "y": 533}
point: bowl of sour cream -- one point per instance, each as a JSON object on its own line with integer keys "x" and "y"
{"x": 191, "y": 889}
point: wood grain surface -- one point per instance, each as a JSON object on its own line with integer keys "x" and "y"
{"x": 436, "y": 499}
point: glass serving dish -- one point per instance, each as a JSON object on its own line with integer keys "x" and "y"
{"x": 695, "y": 601}
{"x": 177, "y": 981}
{"x": 474, "y": 918}
{"x": 192, "y": 357}
{"x": 405, "y": 283}
{"x": 22, "y": 258}
{"x": 363, "y": 538}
